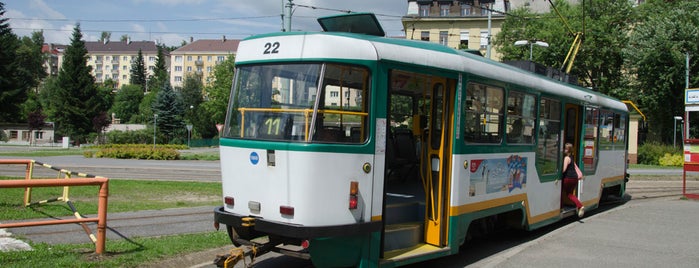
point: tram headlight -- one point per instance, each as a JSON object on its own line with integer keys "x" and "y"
{"x": 354, "y": 195}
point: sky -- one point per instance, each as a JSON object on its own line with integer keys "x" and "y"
{"x": 173, "y": 21}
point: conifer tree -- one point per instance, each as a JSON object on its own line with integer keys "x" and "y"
{"x": 12, "y": 94}
{"x": 168, "y": 106}
{"x": 138, "y": 71}
{"x": 76, "y": 102}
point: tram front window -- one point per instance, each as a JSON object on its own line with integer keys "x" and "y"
{"x": 324, "y": 103}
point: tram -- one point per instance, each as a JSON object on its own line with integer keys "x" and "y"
{"x": 352, "y": 149}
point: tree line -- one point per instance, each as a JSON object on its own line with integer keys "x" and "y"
{"x": 81, "y": 109}
{"x": 635, "y": 53}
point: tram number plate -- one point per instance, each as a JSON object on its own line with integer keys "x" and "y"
{"x": 271, "y": 48}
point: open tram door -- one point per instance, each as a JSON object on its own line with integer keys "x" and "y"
{"x": 438, "y": 163}
{"x": 572, "y": 134}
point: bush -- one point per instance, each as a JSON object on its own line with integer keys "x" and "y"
{"x": 142, "y": 136}
{"x": 673, "y": 160}
{"x": 136, "y": 151}
{"x": 650, "y": 153}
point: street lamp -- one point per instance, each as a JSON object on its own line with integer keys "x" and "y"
{"x": 155, "y": 127}
{"x": 189, "y": 133}
{"x": 531, "y": 45}
{"x": 674, "y": 130}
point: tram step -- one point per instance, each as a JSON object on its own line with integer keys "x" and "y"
{"x": 403, "y": 235}
{"x": 404, "y": 212}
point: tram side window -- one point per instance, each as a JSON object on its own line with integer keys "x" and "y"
{"x": 483, "y": 113}
{"x": 548, "y": 140}
{"x": 521, "y": 112}
{"x": 619, "y": 132}
{"x": 590, "y": 150}
{"x": 342, "y": 110}
{"x": 607, "y": 130}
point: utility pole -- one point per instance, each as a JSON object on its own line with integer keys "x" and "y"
{"x": 490, "y": 12}
{"x": 286, "y": 15}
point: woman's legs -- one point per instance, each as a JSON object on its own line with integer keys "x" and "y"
{"x": 569, "y": 185}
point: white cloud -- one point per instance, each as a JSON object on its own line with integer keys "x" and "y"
{"x": 44, "y": 10}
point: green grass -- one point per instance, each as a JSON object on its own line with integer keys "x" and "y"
{"x": 200, "y": 156}
{"x": 37, "y": 152}
{"x": 642, "y": 166}
{"x": 124, "y": 195}
{"x": 118, "y": 253}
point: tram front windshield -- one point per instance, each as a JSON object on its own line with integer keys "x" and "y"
{"x": 317, "y": 102}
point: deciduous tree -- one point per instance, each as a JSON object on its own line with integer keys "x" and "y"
{"x": 656, "y": 55}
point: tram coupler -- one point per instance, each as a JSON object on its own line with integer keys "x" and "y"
{"x": 250, "y": 249}
{"x": 236, "y": 255}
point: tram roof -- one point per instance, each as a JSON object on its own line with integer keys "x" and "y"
{"x": 352, "y": 46}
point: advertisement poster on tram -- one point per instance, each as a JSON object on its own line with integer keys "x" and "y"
{"x": 497, "y": 175}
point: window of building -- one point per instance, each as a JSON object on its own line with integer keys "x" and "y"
{"x": 189, "y": 58}
{"x": 189, "y": 68}
{"x": 466, "y": 9}
{"x": 178, "y": 68}
{"x": 199, "y": 69}
{"x": 125, "y": 58}
{"x": 115, "y": 67}
{"x": 13, "y": 134}
{"x": 484, "y": 9}
{"x": 484, "y": 39}
{"x": 178, "y": 58}
{"x": 208, "y": 58}
{"x": 444, "y": 10}
{"x": 151, "y": 68}
{"x": 151, "y": 59}
{"x": 521, "y": 116}
{"x": 39, "y": 135}
{"x": 334, "y": 94}
{"x": 425, "y": 36}
{"x": 123, "y": 77}
{"x": 178, "y": 78}
{"x": 444, "y": 37}
{"x": 115, "y": 77}
{"x": 221, "y": 58}
{"x": 107, "y": 58}
{"x": 124, "y": 67}
{"x": 463, "y": 36}
{"x": 208, "y": 69}
{"x": 548, "y": 140}
{"x": 425, "y": 10}
{"x": 198, "y": 57}
{"x": 483, "y": 113}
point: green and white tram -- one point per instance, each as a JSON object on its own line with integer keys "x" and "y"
{"x": 351, "y": 149}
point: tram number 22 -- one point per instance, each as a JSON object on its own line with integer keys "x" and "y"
{"x": 271, "y": 48}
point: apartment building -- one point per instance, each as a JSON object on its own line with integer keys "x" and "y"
{"x": 463, "y": 24}
{"x": 200, "y": 58}
{"x": 54, "y": 58}
{"x": 113, "y": 60}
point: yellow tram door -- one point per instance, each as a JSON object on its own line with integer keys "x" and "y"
{"x": 436, "y": 179}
